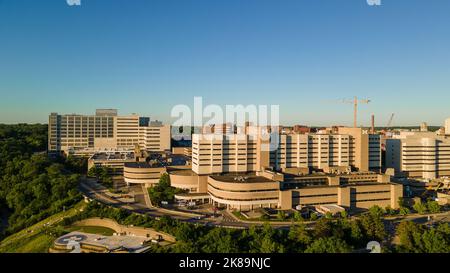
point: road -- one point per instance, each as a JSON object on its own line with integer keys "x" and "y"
{"x": 91, "y": 189}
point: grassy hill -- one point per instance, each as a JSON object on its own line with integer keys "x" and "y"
{"x": 37, "y": 238}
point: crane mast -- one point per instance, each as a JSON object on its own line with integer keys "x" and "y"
{"x": 355, "y": 103}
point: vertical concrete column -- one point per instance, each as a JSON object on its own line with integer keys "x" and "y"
{"x": 344, "y": 197}
{"x": 285, "y": 200}
{"x": 396, "y": 194}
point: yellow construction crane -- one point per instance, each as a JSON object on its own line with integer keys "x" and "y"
{"x": 355, "y": 103}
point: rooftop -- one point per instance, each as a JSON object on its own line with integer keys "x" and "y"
{"x": 183, "y": 172}
{"x": 141, "y": 165}
{"x": 113, "y": 156}
{"x": 241, "y": 178}
{"x": 131, "y": 243}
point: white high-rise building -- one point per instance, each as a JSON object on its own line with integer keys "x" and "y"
{"x": 419, "y": 154}
{"x": 106, "y": 131}
{"x": 212, "y": 153}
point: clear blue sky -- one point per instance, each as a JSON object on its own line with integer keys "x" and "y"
{"x": 144, "y": 56}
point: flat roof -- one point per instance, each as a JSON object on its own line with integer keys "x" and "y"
{"x": 333, "y": 208}
{"x": 113, "y": 156}
{"x": 323, "y": 174}
{"x": 131, "y": 243}
{"x": 187, "y": 172}
{"x": 141, "y": 165}
{"x": 242, "y": 178}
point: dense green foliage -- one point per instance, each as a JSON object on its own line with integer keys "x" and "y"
{"x": 102, "y": 175}
{"x": 341, "y": 235}
{"x": 32, "y": 186}
{"x": 163, "y": 191}
{"x": 415, "y": 238}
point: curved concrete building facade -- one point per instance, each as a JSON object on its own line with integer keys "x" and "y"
{"x": 243, "y": 193}
{"x": 187, "y": 179}
{"x": 142, "y": 173}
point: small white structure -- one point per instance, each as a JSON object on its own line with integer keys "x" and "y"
{"x": 333, "y": 209}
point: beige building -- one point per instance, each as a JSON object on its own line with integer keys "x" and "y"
{"x": 315, "y": 151}
{"x": 213, "y": 153}
{"x": 351, "y": 191}
{"x": 142, "y": 173}
{"x": 149, "y": 173}
{"x": 235, "y": 170}
{"x": 354, "y": 191}
{"x": 106, "y": 131}
{"x": 240, "y": 172}
{"x": 114, "y": 161}
{"x": 350, "y": 147}
{"x": 447, "y": 126}
{"x": 419, "y": 154}
{"x": 365, "y": 148}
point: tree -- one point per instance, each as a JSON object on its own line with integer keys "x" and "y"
{"x": 164, "y": 180}
{"x": 32, "y": 185}
{"x": 328, "y": 245}
{"x": 390, "y": 211}
{"x": 376, "y": 211}
{"x": 356, "y": 233}
{"x": 298, "y": 216}
{"x": 433, "y": 206}
{"x": 98, "y": 172}
{"x": 419, "y": 239}
{"x": 218, "y": 240}
{"x": 300, "y": 236}
{"x": 404, "y": 211}
{"x": 420, "y": 207}
{"x": 373, "y": 226}
{"x": 163, "y": 191}
{"x": 323, "y": 228}
{"x": 76, "y": 164}
{"x": 281, "y": 215}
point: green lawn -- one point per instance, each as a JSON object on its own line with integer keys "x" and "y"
{"x": 92, "y": 229}
{"x": 38, "y": 243}
{"x": 34, "y": 239}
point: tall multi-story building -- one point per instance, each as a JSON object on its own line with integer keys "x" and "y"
{"x": 317, "y": 151}
{"x": 419, "y": 154}
{"x": 244, "y": 172}
{"x": 106, "y": 131}
{"x": 212, "y": 153}
{"x": 365, "y": 148}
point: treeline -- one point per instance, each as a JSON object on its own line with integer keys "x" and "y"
{"x": 416, "y": 238}
{"x": 32, "y": 186}
{"x": 328, "y": 236}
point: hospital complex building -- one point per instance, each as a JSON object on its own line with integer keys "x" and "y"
{"x": 238, "y": 169}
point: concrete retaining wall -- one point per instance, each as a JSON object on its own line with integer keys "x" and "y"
{"x": 126, "y": 230}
